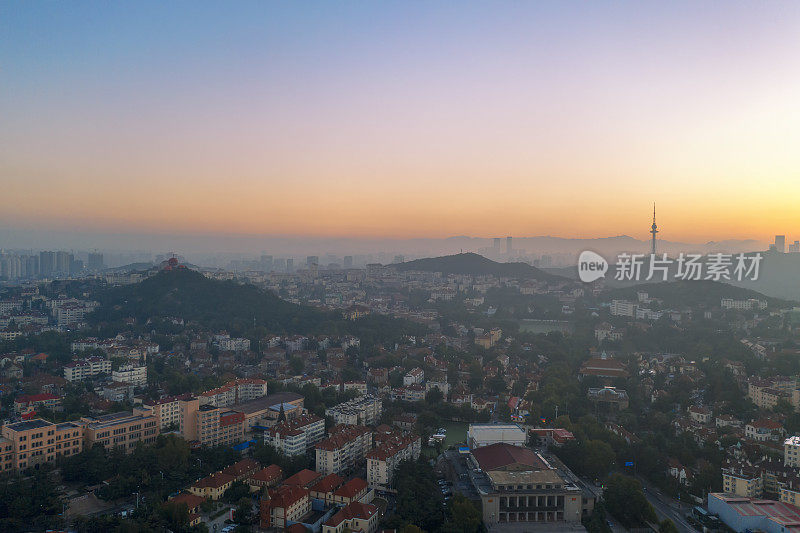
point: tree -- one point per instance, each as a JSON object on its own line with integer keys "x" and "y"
{"x": 463, "y": 516}
{"x": 625, "y": 500}
{"x": 434, "y": 396}
{"x": 667, "y": 526}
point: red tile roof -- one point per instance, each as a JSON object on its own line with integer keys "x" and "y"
{"x": 498, "y": 456}
{"x": 352, "y": 488}
{"x": 304, "y": 478}
{"x": 362, "y": 511}
{"x": 214, "y": 481}
{"x": 328, "y": 483}
{"x": 268, "y": 474}
{"x": 242, "y": 467}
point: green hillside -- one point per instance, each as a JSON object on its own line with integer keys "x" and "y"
{"x": 189, "y": 295}
{"x": 693, "y": 293}
{"x": 476, "y": 265}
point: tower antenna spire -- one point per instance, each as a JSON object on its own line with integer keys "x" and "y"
{"x": 654, "y": 230}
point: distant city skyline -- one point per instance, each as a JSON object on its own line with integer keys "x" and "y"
{"x": 396, "y": 120}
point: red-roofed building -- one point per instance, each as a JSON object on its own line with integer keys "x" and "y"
{"x": 507, "y": 457}
{"x": 357, "y": 517}
{"x": 28, "y": 403}
{"x": 325, "y": 487}
{"x": 345, "y": 448}
{"x": 192, "y": 501}
{"x": 352, "y": 491}
{"x": 213, "y": 486}
{"x": 287, "y": 503}
{"x": 603, "y": 366}
{"x": 242, "y": 469}
{"x": 266, "y": 477}
{"x": 383, "y": 460}
{"x": 304, "y": 478}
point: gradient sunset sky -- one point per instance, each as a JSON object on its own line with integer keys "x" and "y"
{"x": 401, "y": 119}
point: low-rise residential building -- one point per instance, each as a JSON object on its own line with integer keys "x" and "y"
{"x": 213, "y": 486}
{"x": 133, "y": 374}
{"x": 763, "y": 429}
{"x": 356, "y": 516}
{"x": 284, "y": 505}
{"x": 81, "y": 369}
{"x": 266, "y": 477}
{"x": 413, "y": 376}
{"x": 28, "y": 403}
{"x": 241, "y": 470}
{"x": 700, "y": 414}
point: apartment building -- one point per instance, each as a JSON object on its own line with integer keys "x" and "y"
{"x": 35, "y": 442}
{"x": 28, "y": 403}
{"x": 234, "y": 392}
{"x": 296, "y": 436}
{"x": 791, "y": 451}
{"x": 123, "y": 429}
{"x": 742, "y": 480}
{"x": 763, "y": 430}
{"x": 166, "y": 409}
{"x": 133, "y": 374}
{"x": 217, "y": 426}
{"x": 766, "y": 393}
{"x": 383, "y": 460}
{"x": 287, "y": 503}
{"x": 81, "y": 369}
{"x": 364, "y": 410}
{"x": 346, "y": 448}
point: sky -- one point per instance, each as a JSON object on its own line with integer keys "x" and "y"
{"x": 401, "y": 119}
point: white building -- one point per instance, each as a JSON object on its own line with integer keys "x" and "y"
{"x": 791, "y": 451}
{"x": 743, "y": 305}
{"x": 623, "y": 308}
{"x": 296, "y": 436}
{"x": 85, "y": 368}
{"x": 135, "y": 375}
{"x": 363, "y": 411}
{"x": 479, "y": 435}
{"x": 413, "y": 377}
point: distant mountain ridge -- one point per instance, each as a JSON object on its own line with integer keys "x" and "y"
{"x": 476, "y": 265}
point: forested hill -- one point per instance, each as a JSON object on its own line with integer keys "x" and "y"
{"x": 215, "y": 304}
{"x": 476, "y": 265}
{"x": 693, "y": 293}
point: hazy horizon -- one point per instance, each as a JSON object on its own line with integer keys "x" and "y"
{"x": 398, "y": 120}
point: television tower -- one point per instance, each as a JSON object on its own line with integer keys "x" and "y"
{"x": 654, "y": 229}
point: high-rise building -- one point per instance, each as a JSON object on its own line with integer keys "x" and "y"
{"x": 290, "y": 265}
{"x": 508, "y": 245}
{"x": 348, "y": 261}
{"x": 498, "y": 244}
{"x": 780, "y": 243}
{"x": 398, "y": 259}
{"x": 95, "y": 261}
{"x": 63, "y": 262}
{"x": 312, "y": 260}
{"x": 47, "y": 263}
{"x": 266, "y": 263}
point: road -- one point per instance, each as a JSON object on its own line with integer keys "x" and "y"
{"x": 666, "y": 507}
